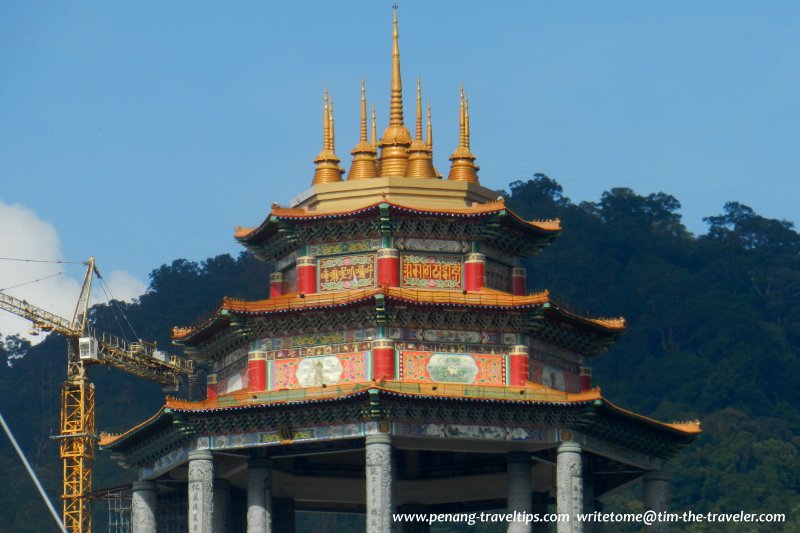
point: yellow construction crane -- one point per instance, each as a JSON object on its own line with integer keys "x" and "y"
{"x": 86, "y": 346}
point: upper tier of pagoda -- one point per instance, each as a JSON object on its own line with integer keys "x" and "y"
{"x": 492, "y": 223}
{"x": 399, "y": 166}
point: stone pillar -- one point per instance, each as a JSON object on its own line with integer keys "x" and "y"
{"x": 211, "y": 386}
{"x": 518, "y": 474}
{"x": 383, "y": 359}
{"x": 656, "y": 497}
{"x": 588, "y": 493}
{"x": 307, "y": 274}
{"x": 569, "y": 486}
{"x": 518, "y": 276}
{"x": 201, "y": 502}
{"x": 220, "y": 521}
{"x": 539, "y": 504}
{"x": 283, "y": 514}
{"x": 474, "y": 272}
{"x": 143, "y": 507}
{"x": 379, "y": 483}
{"x": 585, "y": 378}
{"x": 276, "y": 284}
{"x": 518, "y": 366}
{"x": 259, "y": 495}
{"x": 257, "y": 371}
{"x": 388, "y": 267}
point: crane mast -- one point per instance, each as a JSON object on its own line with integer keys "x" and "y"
{"x": 86, "y": 346}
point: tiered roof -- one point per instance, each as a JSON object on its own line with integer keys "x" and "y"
{"x": 536, "y": 404}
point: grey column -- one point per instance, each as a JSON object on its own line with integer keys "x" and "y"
{"x": 656, "y": 497}
{"x": 222, "y": 498}
{"x": 201, "y": 501}
{"x": 143, "y": 507}
{"x": 259, "y": 495}
{"x": 569, "y": 486}
{"x": 588, "y": 493}
{"x": 518, "y": 478}
{"x": 379, "y": 483}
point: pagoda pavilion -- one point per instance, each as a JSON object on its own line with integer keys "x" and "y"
{"x": 398, "y": 365}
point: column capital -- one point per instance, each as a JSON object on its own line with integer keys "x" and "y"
{"x": 656, "y": 475}
{"x": 379, "y": 438}
{"x": 259, "y": 462}
{"x": 199, "y": 455}
{"x": 307, "y": 260}
{"x": 383, "y": 343}
{"x": 569, "y": 446}
{"x": 276, "y": 276}
{"x": 518, "y": 457}
{"x": 388, "y": 252}
{"x": 143, "y": 485}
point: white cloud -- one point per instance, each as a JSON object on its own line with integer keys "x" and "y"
{"x": 122, "y": 285}
{"x": 24, "y": 235}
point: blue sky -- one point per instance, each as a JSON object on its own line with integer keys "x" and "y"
{"x": 145, "y": 131}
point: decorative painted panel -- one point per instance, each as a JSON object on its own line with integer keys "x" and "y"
{"x": 344, "y": 247}
{"x": 479, "y": 369}
{"x": 431, "y": 271}
{"x": 431, "y": 245}
{"x": 300, "y": 341}
{"x": 316, "y": 371}
{"x": 346, "y": 272}
{"x": 452, "y": 368}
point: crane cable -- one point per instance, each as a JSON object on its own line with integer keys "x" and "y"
{"x": 38, "y": 280}
{"x": 42, "y": 261}
{"x": 114, "y": 302}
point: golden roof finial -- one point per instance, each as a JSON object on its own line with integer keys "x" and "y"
{"x": 364, "y": 154}
{"x": 363, "y": 132}
{"x": 466, "y": 121}
{"x": 328, "y": 169}
{"x": 326, "y": 121}
{"x": 330, "y": 127}
{"x": 420, "y": 155}
{"x": 419, "y": 110}
{"x": 374, "y": 141}
{"x": 430, "y": 141}
{"x": 463, "y": 167}
{"x": 430, "y": 127}
{"x": 396, "y": 138}
{"x": 396, "y": 107}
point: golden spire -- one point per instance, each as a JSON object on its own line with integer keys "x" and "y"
{"x": 463, "y": 167}
{"x": 328, "y": 169}
{"x": 429, "y": 142}
{"x": 419, "y": 110}
{"x": 364, "y": 154}
{"x": 374, "y": 141}
{"x": 420, "y": 155}
{"x": 430, "y": 127}
{"x": 396, "y": 138}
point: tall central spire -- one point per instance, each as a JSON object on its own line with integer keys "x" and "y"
{"x": 396, "y": 139}
{"x": 396, "y": 109}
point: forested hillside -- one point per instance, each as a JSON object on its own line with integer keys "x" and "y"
{"x": 714, "y": 334}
